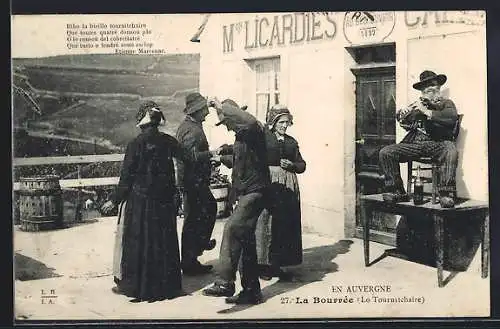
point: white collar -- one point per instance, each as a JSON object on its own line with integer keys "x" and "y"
{"x": 279, "y": 137}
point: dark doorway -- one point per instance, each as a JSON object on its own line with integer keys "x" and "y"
{"x": 375, "y": 128}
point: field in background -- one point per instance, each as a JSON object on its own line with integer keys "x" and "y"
{"x": 96, "y": 97}
{"x": 88, "y": 105}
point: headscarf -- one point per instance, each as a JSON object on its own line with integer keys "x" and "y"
{"x": 276, "y": 112}
{"x": 149, "y": 114}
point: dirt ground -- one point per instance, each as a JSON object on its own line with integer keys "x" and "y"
{"x": 66, "y": 275}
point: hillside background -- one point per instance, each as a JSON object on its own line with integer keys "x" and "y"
{"x": 96, "y": 97}
{"x": 87, "y": 104}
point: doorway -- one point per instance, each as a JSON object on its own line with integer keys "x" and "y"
{"x": 375, "y": 78}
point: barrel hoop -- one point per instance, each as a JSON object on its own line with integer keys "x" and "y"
{"x": 46, "y": 216}
{"x": 39, "y": 222}
{"x": 40, "y": 192}
{"x": 47, "y": 178}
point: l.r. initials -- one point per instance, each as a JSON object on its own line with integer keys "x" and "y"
{"x": 48, "y": 298}
{"x": 52, "y": 292}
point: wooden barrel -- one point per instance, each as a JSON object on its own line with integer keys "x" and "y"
{"x": 40, "y": 203}
{"x": 15, "y": 210}
{"x": 220, "y": 193}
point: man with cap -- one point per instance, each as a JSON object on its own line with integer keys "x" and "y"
{"x": 200, "y": 206}
{"x": 250, "y": 180}
{"x": 430, "y": 122}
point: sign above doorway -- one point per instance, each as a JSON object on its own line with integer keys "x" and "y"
{"x": 363, "y": 27}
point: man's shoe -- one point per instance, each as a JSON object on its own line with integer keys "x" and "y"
{"x": 266, "y": 277}
{"x": 246, "y": 297}
{"x": 267, "y": 272}
{"x": 395, "y": 197}
{"x": 446, "y": 202}
{"x": 211, "y": 244}
{"x": 196, "y": 269}
{"x": 285, "y": 276}
{"x": 219, "y": 290}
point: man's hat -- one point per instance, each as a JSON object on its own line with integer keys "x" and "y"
{"x": 429, "y": 78}
{"x": 194, "y": 103}
{"x": 232, "y": 103}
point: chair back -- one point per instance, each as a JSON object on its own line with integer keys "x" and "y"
{"x": 456, "y": 129}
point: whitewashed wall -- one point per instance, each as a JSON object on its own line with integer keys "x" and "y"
{"x": 317, "y": 85}
{"x": 462, "y": 57}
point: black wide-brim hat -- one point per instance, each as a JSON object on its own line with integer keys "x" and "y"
{"x": 429, "y": 78}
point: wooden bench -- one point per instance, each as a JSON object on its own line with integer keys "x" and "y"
{"x": 474, "y": 209}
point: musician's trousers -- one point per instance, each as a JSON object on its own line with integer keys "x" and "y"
{"x": 444, "y": 153}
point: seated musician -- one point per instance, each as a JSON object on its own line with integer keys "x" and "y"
{"x": 430, "y": 122}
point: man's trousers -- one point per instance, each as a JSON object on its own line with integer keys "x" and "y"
{"x": 238, "y": 241}
{"x": 200, "y": 210}
{"x": 444, "y": 153}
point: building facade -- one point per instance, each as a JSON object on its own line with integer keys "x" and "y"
{"x": 343, "y": 75}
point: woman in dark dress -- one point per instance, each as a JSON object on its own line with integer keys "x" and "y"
{"x": 279, "y": 230}
{"x": 146, "y": 258}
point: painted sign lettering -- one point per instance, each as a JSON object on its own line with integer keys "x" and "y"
{"x": 368, "y": 26}
{"x": 438, "y": 18}
{"x": 267, "y": 32}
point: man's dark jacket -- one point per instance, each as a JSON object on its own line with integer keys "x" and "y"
{"x": 247, "y": 156}
{"x": 439, "y": 127}
{"x": 197, "y": 168}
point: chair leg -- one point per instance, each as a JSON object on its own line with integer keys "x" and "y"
{"x": 435, "y": 177}
{"x": 408, "y": 179}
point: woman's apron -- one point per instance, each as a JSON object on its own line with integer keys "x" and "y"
{"x": 118, "y": 250}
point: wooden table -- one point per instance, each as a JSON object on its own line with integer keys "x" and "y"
{"x": 472, "y": 208}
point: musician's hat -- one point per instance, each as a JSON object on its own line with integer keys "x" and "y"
{"x": 429, "y": 78}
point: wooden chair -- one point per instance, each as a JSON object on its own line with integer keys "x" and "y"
{"x": 434, "y": 168}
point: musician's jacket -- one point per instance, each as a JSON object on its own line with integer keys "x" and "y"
{"x": 439, "y": 127}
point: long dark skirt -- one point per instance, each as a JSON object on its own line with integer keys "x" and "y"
{"x": 150, "y": 264}
{"x": 279, "y": 229}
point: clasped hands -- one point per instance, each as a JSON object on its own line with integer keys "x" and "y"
{"x": 416, "y": 106}
{"x": 108, "y": 206}
{"x": 286, "y": 164}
